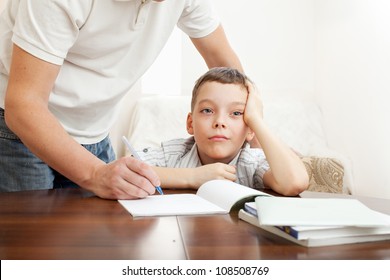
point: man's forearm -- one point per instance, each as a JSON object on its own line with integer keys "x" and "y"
{"x": 40, "y": 131}
{"x": 216, "y": 50}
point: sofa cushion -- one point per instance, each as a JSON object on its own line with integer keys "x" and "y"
{"x": 325, "y": 174}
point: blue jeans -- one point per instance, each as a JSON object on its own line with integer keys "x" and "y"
{"x": 21, "y": 170}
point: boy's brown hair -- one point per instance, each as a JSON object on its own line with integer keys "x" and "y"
{"x": 223, "y": 75}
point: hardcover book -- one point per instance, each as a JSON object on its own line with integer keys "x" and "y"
{"x": 292, "y": 211}
{"x": 322, "y": 237}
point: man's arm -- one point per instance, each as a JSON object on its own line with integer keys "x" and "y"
{"x": 216, "y": 50}
{"x": 28, "y": 116}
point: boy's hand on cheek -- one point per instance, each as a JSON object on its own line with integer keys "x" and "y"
{"x": 254, "y": 106}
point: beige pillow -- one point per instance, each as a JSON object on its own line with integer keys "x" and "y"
{"x": 325, "y": 174}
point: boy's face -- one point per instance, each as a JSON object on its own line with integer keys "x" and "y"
{"x": 217, "y": 122}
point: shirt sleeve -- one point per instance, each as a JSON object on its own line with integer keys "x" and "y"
{"x": 199, "y": 18}
{"x": 153, "y": 156}
{"x": 258, "y": 182}
{"x": 48, "y": 28}
{"x": 169, "y": 154}
{"x": 251, "y": 166}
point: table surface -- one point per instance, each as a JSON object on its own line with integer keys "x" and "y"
{"x": 74, "y": 224}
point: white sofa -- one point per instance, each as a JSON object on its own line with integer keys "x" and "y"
{"x": 299, "y": 123}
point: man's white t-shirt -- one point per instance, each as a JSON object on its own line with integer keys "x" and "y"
{"x": 104, "y": 47}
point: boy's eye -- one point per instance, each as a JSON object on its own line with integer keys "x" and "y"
{"x": 206, "y": 111}
{"x": 237, "y": 113}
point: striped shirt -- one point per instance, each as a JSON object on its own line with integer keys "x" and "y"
{"x": 251, "y": 164}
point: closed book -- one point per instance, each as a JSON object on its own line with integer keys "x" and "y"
{"x": 329, "y": 212}
{"x": 313, "y": 241}
{"x": 304, "y": 232}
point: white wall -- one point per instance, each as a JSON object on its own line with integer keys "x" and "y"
{"x": 352, "y": 84}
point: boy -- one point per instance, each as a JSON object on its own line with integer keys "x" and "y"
{"x": 226, "y": 113}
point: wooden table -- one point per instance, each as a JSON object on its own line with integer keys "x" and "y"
{"x": 75, "y": 224}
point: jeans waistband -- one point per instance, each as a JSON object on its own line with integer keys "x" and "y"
{"x": 5, "y": 132}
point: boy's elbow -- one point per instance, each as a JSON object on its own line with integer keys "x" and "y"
{"x": 290, "y": 185}
{"x": 296, "y": 186}
{"x": 296, "y": 189}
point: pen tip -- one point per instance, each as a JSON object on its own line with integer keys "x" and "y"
{"x": 159, "y": 190}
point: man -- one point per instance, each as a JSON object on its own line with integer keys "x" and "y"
{"x": 65, "y": 65}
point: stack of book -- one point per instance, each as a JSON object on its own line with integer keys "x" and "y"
{"x": 314, "y": 222}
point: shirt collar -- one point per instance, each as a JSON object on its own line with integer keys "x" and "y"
{"x": 191, "y": 159}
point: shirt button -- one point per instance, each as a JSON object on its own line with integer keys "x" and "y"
{"x": 145, "y": 150}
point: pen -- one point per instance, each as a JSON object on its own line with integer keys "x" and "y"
{"x": 134, "y": 154}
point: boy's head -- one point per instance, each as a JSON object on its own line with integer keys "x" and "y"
{"x": 222, "y": 75}
{"x": 217, "y": 110}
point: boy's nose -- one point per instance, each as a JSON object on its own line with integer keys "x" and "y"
{"x": 219, "y": 124}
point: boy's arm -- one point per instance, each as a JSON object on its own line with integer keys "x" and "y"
{"x": 287, "y": 174}
{"x": 193, "y": 178}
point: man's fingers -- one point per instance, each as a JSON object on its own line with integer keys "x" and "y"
{"x": 147, "y": 177}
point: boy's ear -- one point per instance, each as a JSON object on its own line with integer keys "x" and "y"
{"x": 250, "y": 135}
{"x": 190, "y": 129}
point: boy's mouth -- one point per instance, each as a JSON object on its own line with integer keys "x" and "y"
{"x": 218, "y": 138}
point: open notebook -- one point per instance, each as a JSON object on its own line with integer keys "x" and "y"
{"x": 213, "y": 197}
